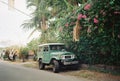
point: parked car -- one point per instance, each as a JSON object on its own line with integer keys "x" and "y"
{"x": 55, "y": 54}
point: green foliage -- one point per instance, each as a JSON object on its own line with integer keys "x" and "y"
{"x": 33, "y": 44}
{"x": 99, "y": 37}
{"x": 24, "y": 51}
{"x": 49, "y": 36}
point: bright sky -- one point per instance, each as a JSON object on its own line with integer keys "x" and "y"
{"x": 10, "y": 21}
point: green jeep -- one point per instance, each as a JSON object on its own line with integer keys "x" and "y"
{"x": 56, "y": 55}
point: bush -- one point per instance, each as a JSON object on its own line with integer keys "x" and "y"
{"x": 99, "y": 38}
{"x": 24, "y": 53}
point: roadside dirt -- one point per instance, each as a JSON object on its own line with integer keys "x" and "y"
{"x": 92, "y": 75}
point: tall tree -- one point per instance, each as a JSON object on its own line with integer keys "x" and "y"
{"x": 39, "y": 15}
{"x": 44, "y": 10}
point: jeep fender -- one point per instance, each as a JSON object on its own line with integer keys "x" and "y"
{"x": 56, "y": 57}
{"x": 51, "y": 61}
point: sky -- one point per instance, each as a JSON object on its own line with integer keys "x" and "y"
{"x": 11, "y": 32}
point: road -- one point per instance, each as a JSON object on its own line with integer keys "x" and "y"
{"x": 13, "y": 72}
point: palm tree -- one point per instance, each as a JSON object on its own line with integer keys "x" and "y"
{"x": 38, "y": 20}
{"x": 42, "y": 14}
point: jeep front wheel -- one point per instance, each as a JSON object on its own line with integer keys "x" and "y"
{"x": 56, "y": 66}
{"x": 41, "y": 65}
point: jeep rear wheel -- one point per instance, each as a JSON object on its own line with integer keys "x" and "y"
{"x": 41, "y": 65}
{"x": 56, "y": 66}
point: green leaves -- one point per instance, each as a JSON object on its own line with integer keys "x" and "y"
{"x": 24, "y": 51}
{"x": 102, "y": 42}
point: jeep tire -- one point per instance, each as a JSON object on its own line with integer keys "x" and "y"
{"x": 56, "y": 66}
{"x": 41, "y": 65}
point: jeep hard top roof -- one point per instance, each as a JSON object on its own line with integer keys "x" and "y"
{"x": 51, "y": 44}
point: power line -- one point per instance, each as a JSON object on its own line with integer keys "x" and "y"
{"x": 15, "y": 8}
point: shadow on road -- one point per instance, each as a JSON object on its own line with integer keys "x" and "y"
{"x": 62, "y": 70}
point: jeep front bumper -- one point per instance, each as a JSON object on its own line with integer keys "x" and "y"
{"x": 69, "y": 62}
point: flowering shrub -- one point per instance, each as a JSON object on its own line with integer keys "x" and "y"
{"x": 99, "y": 36}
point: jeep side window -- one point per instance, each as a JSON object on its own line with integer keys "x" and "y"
{"x": 45, "y": 48}
{"x": 53, "y": 48}
{"x": 57, "y": 47}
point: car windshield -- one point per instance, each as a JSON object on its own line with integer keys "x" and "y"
{"x": 57, "y": 47}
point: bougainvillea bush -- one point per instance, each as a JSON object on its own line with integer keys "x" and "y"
{"x": 99, "y": 38}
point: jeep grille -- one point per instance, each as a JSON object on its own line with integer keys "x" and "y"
{"x": 67, "y": 57}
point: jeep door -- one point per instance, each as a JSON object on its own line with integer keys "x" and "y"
{"x": 46, "y": 55}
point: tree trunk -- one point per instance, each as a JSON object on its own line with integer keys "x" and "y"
{"x": 43, "y": 26}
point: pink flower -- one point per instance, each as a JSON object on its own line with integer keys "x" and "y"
{"x": 96, "y": 21}
{"x": 87, "y": 7}
{"x": 79, "y": 16}
{"x": 84, "y": 16}
{"x": 66, "y": 24}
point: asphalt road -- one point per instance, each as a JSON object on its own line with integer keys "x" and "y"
{"x": 11, "y": 72}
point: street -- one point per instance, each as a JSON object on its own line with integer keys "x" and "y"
{"x": 11, "y": 72}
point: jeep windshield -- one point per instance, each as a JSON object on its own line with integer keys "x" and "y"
{"x": 57, "y": 47}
